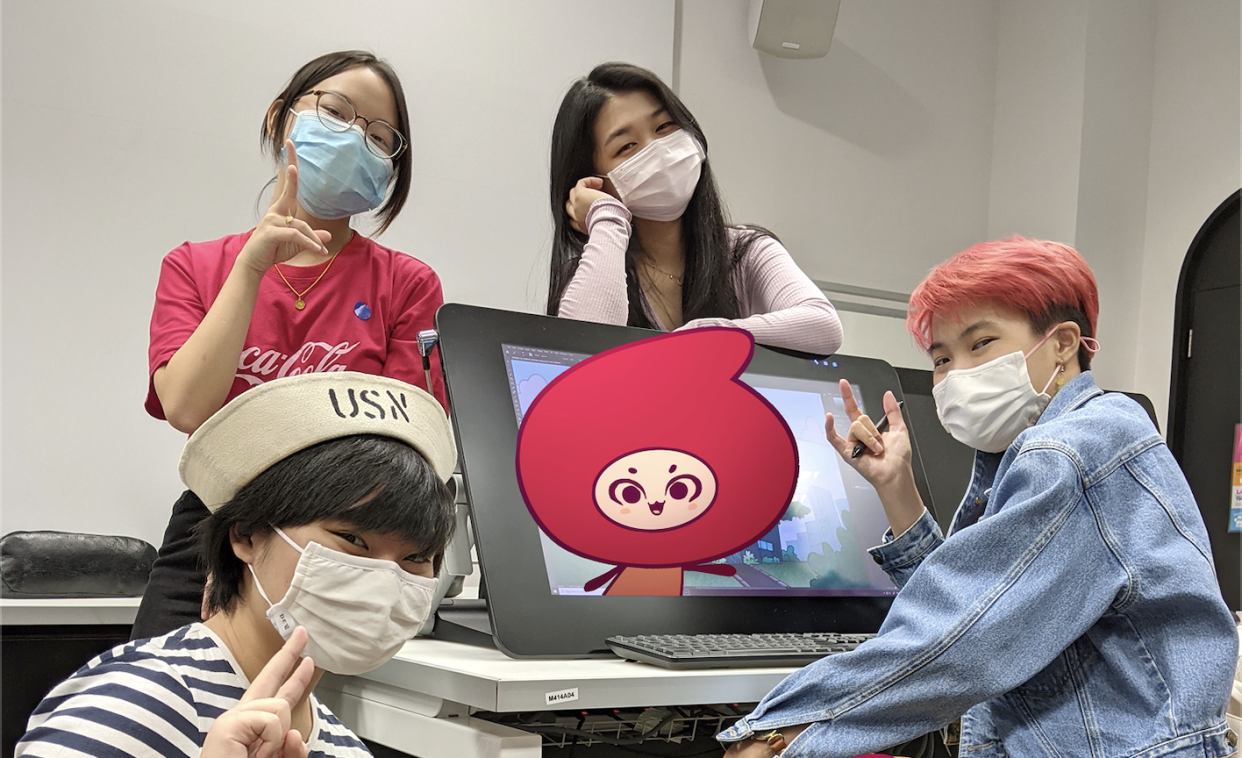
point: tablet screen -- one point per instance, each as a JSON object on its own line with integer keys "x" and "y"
{"x": 818, "y": 548}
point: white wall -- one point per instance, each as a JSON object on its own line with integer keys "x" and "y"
{"x": 1113, "y": 172}
{"x": 1037, "y": 134}
{"x": 131, "y": 126}
{"x": 1195, "y": 162}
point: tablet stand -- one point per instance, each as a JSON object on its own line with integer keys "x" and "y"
{"x": 464, "y": 621}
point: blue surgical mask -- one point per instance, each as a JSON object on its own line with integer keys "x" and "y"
{"x": 337, "y": 175}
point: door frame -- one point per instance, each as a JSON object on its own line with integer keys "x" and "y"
{"x": 1182, "y": 318}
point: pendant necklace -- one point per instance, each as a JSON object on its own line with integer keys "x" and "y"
{"x": 301, "y": 296}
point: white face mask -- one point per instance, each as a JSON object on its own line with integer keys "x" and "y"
{"x": 357, "y": 611}
{"x": 988, "y": 406}
{"x": 656, "y": 183}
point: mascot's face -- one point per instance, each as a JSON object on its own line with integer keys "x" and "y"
{"x": 655, "y": 454}
{"x": 655, "y": 489}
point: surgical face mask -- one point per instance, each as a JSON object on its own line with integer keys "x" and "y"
{"x": 338, "y": 176}
{"x": 656, "y": 183}
{"x": 357, "y": 611}
{"x": 988, "y": 406}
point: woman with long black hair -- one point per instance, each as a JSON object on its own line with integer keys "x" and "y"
{"x": 641, "y": 236}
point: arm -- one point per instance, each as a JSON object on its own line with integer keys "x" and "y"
{"x": 423, "y": 297}
{"x": 788, "y": 309}
{"x": 986, "y": 611}
{"x": 597, "y": 292}
{"x": 195, "y": 381}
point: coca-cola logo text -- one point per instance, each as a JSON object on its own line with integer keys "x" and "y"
{"x": 257, "y": 365}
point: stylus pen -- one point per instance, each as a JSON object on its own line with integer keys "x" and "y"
{"x": 881, "y": 427}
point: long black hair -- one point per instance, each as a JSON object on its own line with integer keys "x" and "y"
{"x": 327, "y": 66}
{"x": 710, "y": 255}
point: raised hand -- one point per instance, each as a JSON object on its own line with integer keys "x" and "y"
{"x": 584, "y": 193}
{"x": 887, "y": 457}
{"x": 259, "y": 726}
{"x": 280, "y": 235}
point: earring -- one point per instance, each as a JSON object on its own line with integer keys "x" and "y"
{"x": 1060, "y": 375}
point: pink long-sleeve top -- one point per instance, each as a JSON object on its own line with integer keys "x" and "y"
{"x": 780, "y": 305}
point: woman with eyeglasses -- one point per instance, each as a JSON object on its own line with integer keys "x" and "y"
{"x": 640, "y": 235}
{"x": 301, "y": 292}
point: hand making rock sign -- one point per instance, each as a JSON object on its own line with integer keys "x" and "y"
{"x": 886, "y": 461}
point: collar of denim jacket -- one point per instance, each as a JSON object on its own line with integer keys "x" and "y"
{"x": 1073, "y": 395}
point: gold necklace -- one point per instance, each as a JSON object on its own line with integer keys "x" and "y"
{"x": 647, "y": 262}
{"x": 301, "y": 303}
{"x": 659, "y": 304}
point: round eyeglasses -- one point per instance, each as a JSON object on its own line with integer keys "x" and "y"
{"x": 338, "y": 114}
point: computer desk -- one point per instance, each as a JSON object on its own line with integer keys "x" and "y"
{"x": 420, "y": 702}
{"x": 46, "y": 640}
{"x": 69, "y": 611}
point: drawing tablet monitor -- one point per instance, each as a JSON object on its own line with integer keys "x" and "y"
{"x": 811, "y": 572}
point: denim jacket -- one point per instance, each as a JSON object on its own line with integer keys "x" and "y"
{"x": 1073, "y": 610}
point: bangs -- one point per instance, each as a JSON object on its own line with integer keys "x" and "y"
{"x": 374, "y": 483}
{"x": 396, "y": 509}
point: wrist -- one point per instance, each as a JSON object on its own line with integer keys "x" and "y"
{"x": 247, "y": 269}
{"x": 901, "y": 501}
{"x": 896, "y": 488}
{"x": 602, "y": 206}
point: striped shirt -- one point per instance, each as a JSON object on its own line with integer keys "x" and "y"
{"x": 157, "y": 697}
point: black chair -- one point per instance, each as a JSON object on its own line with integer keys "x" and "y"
{"x": 59, "y": 565}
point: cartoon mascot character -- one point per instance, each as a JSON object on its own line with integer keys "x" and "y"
{"x": 657, "y": 458}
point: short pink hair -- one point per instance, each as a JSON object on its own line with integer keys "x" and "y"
{"x": 1048, "y": 281}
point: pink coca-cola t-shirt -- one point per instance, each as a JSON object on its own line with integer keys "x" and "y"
{"x": 363, "y": 315}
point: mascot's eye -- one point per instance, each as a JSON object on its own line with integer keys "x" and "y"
{"x": 679, "y": 488}
{"x": 631, "y": 491}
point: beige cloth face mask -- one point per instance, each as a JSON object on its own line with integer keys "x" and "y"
{"x": 357, "y": 611}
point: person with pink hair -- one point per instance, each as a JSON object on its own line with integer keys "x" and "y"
{"x": 1073, "y": 607}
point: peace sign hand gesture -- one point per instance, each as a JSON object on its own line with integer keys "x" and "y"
{"x": 259, "y": 725}
{"x": 886, "y": 460}
{"x": 280, "y": 235}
